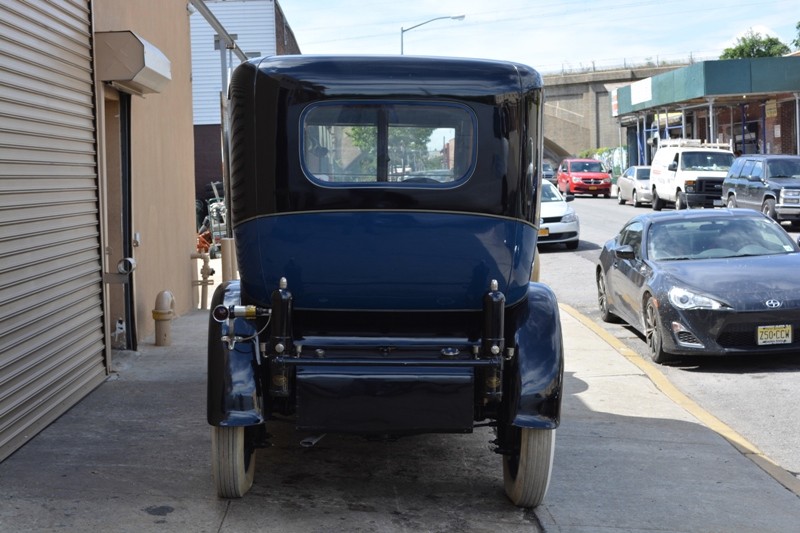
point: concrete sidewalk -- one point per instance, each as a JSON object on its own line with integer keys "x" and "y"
{"x": 134, "y": 456}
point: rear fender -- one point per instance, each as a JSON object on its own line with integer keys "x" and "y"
{"x": 539, "y": 362}
{"x": 234, "y": 395}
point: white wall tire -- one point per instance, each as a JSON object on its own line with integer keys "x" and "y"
{"x": 233, "y": 461}
{"x": 527, "y": 476}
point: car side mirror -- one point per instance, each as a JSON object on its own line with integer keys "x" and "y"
{"x": 673, "y": 166}
{"x": 625, "y": 252}
{"x": 569, "y": 197}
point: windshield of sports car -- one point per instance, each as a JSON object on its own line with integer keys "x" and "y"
{"x": 706, "y": 160}
{"x": 675, "y": 240}
{"x": 388, "y": 143}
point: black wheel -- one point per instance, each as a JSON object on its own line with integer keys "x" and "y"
{"x": 620, "y": 199}
{"x": 680, "y": 201}
{"x": 602, "y": 300}
{"x": 653, "y": 332}
{"x": 571, "y": 245}
{"x": 232, "y": 460}
{"x": 635, "y": 200}
{"x": 658, "y": 203}
{"x": 607, "y": 195}
{"x": 768, "y": 208}
{"x": 526, "y": 473}
{"x": 731, "y": 202}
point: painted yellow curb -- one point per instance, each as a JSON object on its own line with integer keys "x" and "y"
{"x": 661, "y": 382}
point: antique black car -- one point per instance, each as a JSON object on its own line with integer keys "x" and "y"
{"x": 385, "y": 213}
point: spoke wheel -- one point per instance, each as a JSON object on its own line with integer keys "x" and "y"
{"x": 232, "y": 460}
{"x": 526, "y": 474}
{"x": 731, "y": 202}
{"x": 635, "y": 200}
{"x": 602, "y": 300}
{"x": 653, "y": 332}
{"x": 620, "y": 199}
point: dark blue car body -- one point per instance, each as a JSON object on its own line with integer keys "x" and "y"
{"x": 385, "y": 307}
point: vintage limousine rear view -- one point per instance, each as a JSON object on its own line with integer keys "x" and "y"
{"x": 385, "y": 213}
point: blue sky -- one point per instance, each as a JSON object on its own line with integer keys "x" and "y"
{"x": 548, "y": 35}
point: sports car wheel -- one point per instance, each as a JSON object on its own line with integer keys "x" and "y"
{"x": 232, "y": 460}
{"x": 653, "y": 332}
{"x": 602, "y": 300}
{"x": 731, "y": 202}
{"x": 768, "y": 208}
{"x": 526, "y": 474}
{"x": 620, "y": 199}
{"x": 635, "y": 200}
{"x": 680, "y": 201}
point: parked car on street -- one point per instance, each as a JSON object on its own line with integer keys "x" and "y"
{"x": 559, "y": 222}
{"x": 378, "y": 298}
{"x": 633, "y": 186}
{"x": 767, "y": 183}
{"x": 548, "y": 173}
{"x": 703, "y": 282}
{"x": 583, "y": 176}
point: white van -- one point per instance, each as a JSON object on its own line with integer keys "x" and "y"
{"x": 689, "y": 173}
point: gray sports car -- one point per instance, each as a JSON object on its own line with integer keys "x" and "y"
{"x": 703, "y": 282}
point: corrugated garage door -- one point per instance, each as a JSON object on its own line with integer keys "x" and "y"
{"x": 51, "y": 314}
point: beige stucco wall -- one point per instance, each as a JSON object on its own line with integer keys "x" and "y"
{"x": 162, "y": 156}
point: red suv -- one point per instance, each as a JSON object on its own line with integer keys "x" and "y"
{"x": 583, "y": 176}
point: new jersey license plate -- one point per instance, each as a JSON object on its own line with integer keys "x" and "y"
{"x": 780, "y": 334}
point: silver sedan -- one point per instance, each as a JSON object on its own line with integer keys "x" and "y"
{"x": 634, "y": 186}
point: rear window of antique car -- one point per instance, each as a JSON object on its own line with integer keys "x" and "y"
{"x": 388, "y": 144}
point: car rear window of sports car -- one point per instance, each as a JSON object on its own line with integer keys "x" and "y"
{"x": 388, "y": 143}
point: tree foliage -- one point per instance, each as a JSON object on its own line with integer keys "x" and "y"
{"x": 408, "y": 147}
{"x": 796, "y": 41}
{"x": 753, "y": 44}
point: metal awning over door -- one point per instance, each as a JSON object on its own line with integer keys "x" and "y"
{"x": 51, "y": 306}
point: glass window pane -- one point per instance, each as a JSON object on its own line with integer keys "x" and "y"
{"x": 388, "y": 143}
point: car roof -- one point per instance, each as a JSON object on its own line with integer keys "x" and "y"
{"x": 698, "y": 214}
{"x": 768, "y": 156}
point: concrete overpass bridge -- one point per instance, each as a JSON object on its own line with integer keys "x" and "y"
{"x": 577, "y": 114}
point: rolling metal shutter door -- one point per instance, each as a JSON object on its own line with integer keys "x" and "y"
{"x": 51, "y": 312}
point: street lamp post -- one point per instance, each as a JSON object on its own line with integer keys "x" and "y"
{"x": 404, "y": 30}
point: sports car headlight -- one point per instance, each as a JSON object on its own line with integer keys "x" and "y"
{"x": 686, "y": 299}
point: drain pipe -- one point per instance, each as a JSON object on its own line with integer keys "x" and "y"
{"x": 205, "y": 272}
{"x": 163, "y": 313}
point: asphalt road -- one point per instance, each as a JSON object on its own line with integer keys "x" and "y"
{"x": 757, "y": 397}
